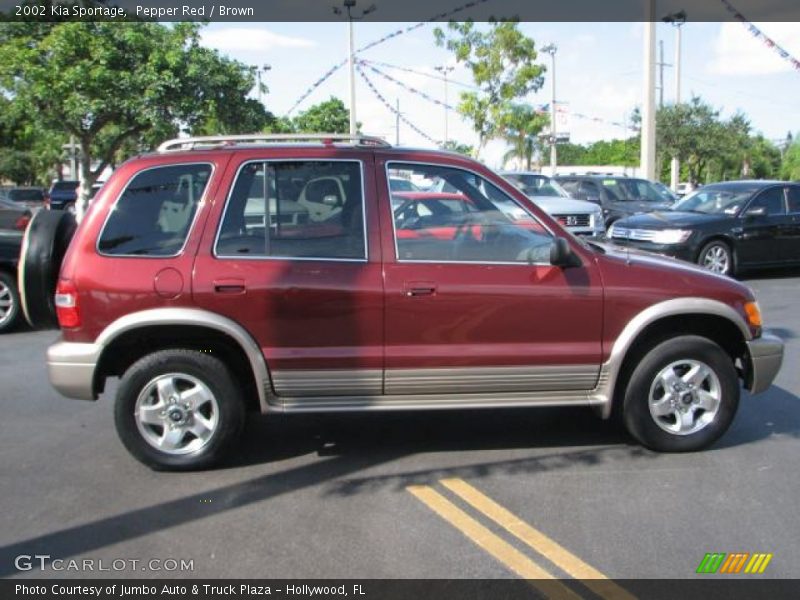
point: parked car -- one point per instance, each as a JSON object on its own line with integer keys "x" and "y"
{"x": 578, "y": 216}
{"x": 203, "y": 318}
{"x": 63, "y": 195}
{"x": 10, "y": 310}
{"x": 14, "y": 218}
{"x": 33, "y": 198}
{"x": 618, "y": 196}
{"x": 724, "y": 227}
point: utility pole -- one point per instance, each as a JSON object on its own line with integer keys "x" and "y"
{"x": 676, "y": 20}
{"x": 444, "y": 70}
{"x": 661, "y": 64}
{"x": 349, "y": 5}
{"x": 551, "y": 49}
{"x": 648, "y": 150}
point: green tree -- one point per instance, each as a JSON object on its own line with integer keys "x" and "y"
{"x": 109, "y": 83}
{"x": 790, "y": 167}
{"x": 455, "y": 146}
{"x": 29, "y": 152}
{"x": 503, "y": 67}
{"x": 330, "y": 116}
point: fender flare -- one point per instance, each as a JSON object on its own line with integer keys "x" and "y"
{"x": 199, "y": 318}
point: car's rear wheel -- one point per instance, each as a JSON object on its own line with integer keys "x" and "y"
{"x": 179, "y": 410}
{"x": 43, "y": 248}
{"x": 717, "y": 257}
{"x": 9, "y": 302}
{"x": 682, "y": 396}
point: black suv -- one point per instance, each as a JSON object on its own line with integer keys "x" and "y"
{"x": 619, "y": 196}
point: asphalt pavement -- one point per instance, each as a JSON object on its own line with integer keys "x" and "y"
{"x": 486, "y": 494}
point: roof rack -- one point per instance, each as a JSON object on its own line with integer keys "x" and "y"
{"x": 211, "y": 141}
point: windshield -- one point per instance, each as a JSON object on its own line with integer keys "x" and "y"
{"x": 632, "y": 189}
{"x": 714, "y": 201}
{"x": 537, "y": 185}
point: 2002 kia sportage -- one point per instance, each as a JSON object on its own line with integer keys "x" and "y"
{"x": 275, "y": 274}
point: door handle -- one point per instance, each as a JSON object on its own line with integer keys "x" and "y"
{"x": 230, "y": 286}
{"x": 419, "y": 288}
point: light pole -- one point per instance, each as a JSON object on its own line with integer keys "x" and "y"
{"x": 349, "y": 5}
{"x": 676, "y": 20}
{"x": 551, "y": 49}
{"x": 444, "y": 70}
{"x": 648, "y": 149}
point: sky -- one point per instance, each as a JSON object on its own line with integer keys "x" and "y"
{"x": 599, "y": 74}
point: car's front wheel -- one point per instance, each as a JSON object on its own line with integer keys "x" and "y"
{"x": 717, "y": 257}
{"x": 682, "y": 396}
{"x": 179, "y": 410}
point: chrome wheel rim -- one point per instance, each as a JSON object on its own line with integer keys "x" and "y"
{"x": 716, "y": 259}
{"x": 6, "y": 303}
{"x": 685, "y": 397}
{"x": 176, "y": 413}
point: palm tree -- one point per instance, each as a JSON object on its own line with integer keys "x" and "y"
{"x": 520, "y": 128}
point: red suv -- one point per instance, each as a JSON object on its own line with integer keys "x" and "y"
{"x": 221, "y": 275}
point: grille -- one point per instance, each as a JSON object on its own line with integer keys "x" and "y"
{"x": 623, "y": 233}
{"x": 574, "y": 220}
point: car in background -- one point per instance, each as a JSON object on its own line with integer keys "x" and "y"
{"x": 10, "y": 307}
{"x": 14, "y": 218}
{"x": 63, "y": 195}
{"x": 535, "y": 184}
{"x": 33, "y": 198}
{"x": 723, "y": 227}
{"x": 619, "y": 197}
{"x": 683, "y": 189}
{"x": 579, "y": 217}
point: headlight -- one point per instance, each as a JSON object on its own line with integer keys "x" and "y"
{"x": 671, "y": 236}
{"x": 599, "y": 222}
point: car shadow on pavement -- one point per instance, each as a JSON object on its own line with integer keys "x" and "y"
{"x": 777, "y": 273}
{"x": 348, "y": 446}
{"x": 774, "y": 413}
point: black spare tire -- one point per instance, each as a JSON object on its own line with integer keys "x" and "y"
{"x": 43, "y": 248}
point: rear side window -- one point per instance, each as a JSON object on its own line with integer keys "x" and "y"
{"x": 295, "y": 209}
{"x": 794, "y": 199}
{"x": 155, "y": 212}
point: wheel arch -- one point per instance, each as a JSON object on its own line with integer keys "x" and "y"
{"x": 705, "y": 317}
{"x": 138, "y": 334}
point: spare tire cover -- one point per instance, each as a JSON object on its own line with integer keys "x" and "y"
{"x": 43, "y": 248}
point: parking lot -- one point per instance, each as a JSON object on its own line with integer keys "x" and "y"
{"x": 429, "y": 495}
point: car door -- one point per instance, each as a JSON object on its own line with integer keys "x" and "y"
{"x": 481, "y": 309}
{"x": 764, "y": 228}
{"x": 792, "y": 239}
{"x": 309, "y": 289}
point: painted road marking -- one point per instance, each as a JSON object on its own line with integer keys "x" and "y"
{"x": 491, "y": 543}
{"x": 547, "y": 547}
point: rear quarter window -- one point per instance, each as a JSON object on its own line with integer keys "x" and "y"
{"x": 154, "y": 214}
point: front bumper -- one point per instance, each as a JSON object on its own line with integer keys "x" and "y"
{"x": 71, "y": 366}
{"x": 765, "y": 355}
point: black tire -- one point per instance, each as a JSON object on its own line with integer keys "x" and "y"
{"x": 10, "y": 311}
{"x": 43, "y": 248}
{"x": 205, "y": 368}
{"x": 645, "y": 427}
{"x": 704, "y": 257}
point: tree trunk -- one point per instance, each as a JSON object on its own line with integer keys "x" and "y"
{"x": 86, "y": 178}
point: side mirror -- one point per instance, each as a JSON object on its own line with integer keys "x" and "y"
{"x": 756, "y": 211}
{"x": 595, "y": 199}
{"x": 561, "y": 254}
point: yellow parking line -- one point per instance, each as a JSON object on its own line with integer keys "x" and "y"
{"x": 554, "y": 552}
{"x": 491, "y": 543}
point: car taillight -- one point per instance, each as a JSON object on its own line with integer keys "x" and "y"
{"x": 67, "y": 309}
{"x": 22, "y": 222}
